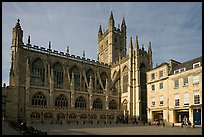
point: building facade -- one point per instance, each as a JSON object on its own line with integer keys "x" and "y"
{"x": 181, "y": 94}
{"x": 50, "y": 86}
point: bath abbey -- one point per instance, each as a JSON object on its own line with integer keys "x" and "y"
{"x": 46, "y": 85}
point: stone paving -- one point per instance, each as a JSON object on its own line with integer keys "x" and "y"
{"x": 106, "y": 129}
{"x": 115, "y": 129}
{"x": 7, "y": 130}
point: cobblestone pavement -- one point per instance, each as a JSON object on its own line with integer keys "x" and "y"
{"x": 115, "y": 129}
{"x": 7, "y": 130}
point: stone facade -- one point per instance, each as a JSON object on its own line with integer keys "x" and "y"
{"x": 181, "y": 93}
{"x": 50, "y": 86}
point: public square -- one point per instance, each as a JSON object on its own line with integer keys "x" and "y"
{"x": 107, "y": 129}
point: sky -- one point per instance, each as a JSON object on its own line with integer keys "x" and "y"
{"x": 173, "y": 28}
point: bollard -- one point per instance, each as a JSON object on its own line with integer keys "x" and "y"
{"x": 173, "y": 124}
{"x": 149, "y": 123}
{"x": 163, "y": 124}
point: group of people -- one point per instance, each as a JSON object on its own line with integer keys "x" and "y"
{"x": 186, "y": 122}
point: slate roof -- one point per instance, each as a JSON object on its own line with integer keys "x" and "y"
{"x": 188, "y": 64}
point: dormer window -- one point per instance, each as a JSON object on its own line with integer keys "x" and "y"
{"x": 176, "y": 71}
{"x": 182, "y": 69}
{"x": 195, "y": 65}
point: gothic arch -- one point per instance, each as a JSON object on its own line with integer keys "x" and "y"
{"x": 48, "y": 115}
{"x": 61, "y": 101}
{"x": 35, "y": 115}
{"x": 83, "y": 116}
{"x": 60, "y": 116}
{"x": 80, "y": 102}
{"x": 37, "y": 72}
{"x": 97, "y": 104}
{"x": 72, "y": 116}
{"x": 124, "y": 104}
{"x": 39, "y": 100}
{"x": 58, "y": 75}
{"x": 125, "y": 79}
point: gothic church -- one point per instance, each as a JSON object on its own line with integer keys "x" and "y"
{"x": 50, "y": 86}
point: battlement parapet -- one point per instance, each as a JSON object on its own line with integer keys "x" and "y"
{"x": 64, "y": 55}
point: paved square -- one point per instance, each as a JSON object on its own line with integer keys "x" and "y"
{"x": 115, "y": 129}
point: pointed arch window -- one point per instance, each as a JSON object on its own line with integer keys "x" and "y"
{"x": 80, "y": 102}
{"x": 112, "y": 104}
{"x": 58, "y": 75}
{"x": 97, "y": 104}
{"x": 61, "y": 101}
{"x": 125, "y": 79}
{"x": 48, "y": 115}
{"x": 39, "y": 100}
{"x": 37, "y": 73}
{"x": 124, "y": 104}
{"x": 35, "y": 115}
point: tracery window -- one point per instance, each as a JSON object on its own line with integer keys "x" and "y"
{"x": 83, "y": 116}
{"x": 93, "y": 116}
{"x": 35, "y": 115}
{"x": 112, "y": 104}
{"x": 61, "y": 102}
{"x": 58, "y": 76}
{"x": 60, "y": 116}
{"x": 97, "y": 104}
{"x": 80, "y": 102}
{"x": 37, "y": 73}
{"x": 72, "y": 116}
{"x": 124, "y": 104}
{"x": 48, "y": 115}
{"x": 103, "y": 116}
{"x": 125, "y": 79}
{"x": 39, "y": 100}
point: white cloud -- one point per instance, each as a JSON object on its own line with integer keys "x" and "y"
{"x": 173, "y": 28}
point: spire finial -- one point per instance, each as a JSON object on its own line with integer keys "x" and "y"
{"x": 137, "y": 44}
{"x": 84, "y": 54}
{"x": 67, "y": 49}
{"x": 130, "y": 41}
{"x": 111, "y": 16}
{"x": 29, "y": 39}
{"x": 49, "y": 44}
{"x": 18, "y": 20}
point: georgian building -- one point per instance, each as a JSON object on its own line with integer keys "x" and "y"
{"x": 180, "y": 94}
{"x": 46, "y": 85}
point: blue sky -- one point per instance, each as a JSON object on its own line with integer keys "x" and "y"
{"x": 174, "y": 28}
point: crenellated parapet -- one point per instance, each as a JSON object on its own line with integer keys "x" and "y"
{"x": 63, "y": 55}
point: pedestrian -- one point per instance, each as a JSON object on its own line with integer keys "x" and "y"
{"x": 158, "y": 121}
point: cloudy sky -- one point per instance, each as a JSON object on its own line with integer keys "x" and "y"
{"x": 175, "y": 29}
